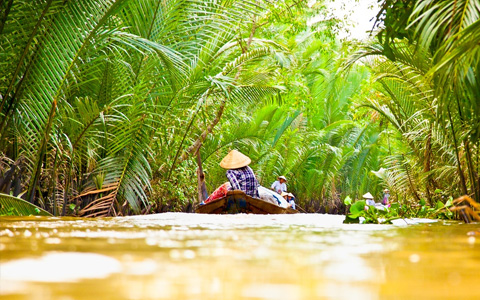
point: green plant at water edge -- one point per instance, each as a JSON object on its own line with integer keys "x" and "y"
{"x": 371, "y": 214}
{"x": 385, "y": 214}
{"x": 13, "y": 206}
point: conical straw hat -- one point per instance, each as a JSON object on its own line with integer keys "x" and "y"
{"x": 368, "y": 196}
{"x": 235, "y": 160}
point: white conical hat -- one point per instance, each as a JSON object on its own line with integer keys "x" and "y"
{"x": 368, "y": 196}
{"x": 235, "y": 160}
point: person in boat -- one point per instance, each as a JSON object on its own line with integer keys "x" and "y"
{"x": 240, "y": 176}
{"x": 369, "y": 199}
{"x": 280, "y": 185}
{"x": 386, "y": 195}
{"x": 220, "y": 192}
{"x": 290, "y": 199}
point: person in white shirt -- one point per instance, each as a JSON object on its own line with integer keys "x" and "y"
{"x": 280, "y": 185}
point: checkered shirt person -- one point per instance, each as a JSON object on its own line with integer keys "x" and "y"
{"x": 243, "y": 179}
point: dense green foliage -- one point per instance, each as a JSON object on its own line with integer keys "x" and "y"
{"x": 96, "y": 93}
{"x": 311, "y": 132}
{"x": 426, "y": 68}
{"x": 104, "y": 105}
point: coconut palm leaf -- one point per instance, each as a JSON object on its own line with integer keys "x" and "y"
{"x": 13, "y": 206}
{"x": 43, "y": 100}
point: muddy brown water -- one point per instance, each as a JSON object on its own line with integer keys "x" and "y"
{"x": 191, "y": 256}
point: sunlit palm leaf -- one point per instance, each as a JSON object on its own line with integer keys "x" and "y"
{"x": 14, "y": 206}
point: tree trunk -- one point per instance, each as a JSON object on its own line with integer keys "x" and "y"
{"x": 427, "y": 166}
{"x": 463, "y": 184}
{"x": 202, "y": 188}
{"x": 410, "y": 181}
{"x": 471, "y": 170}
{"x": 195, "y": 147}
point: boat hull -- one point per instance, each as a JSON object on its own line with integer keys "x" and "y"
{"x": 236, "y": 202}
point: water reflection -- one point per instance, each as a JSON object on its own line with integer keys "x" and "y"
{"x": 60, "y": 267}
{"x": 188, "y": 256}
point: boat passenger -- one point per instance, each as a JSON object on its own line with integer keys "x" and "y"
{"x": 240, "y": 177}
{"x": 239, "y": 174}
{"x": 280, "y": 185}
{"x": 290, "y": 199}
{"x": 369, "y": 199}
{"x": 386, "y": 195}
{"x": 220, "y": 192}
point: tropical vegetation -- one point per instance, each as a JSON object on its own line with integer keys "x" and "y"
{"x": 112, "y": 107}
{"x": 426, "y": 67}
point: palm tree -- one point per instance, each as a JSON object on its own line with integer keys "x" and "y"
{"x": 446, "y": 30}
{"x": 88, "y": 85}
{"x": 431, "y": 157}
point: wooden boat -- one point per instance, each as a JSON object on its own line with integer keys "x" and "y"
{"x": 236, "y": 202}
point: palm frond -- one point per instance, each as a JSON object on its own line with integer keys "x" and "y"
{"x": 13, "y": 206}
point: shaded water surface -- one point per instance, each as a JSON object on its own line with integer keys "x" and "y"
{"x": 189, "y": 256}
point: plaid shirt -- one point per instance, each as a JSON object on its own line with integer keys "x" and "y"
{"x": 244, "y": 179}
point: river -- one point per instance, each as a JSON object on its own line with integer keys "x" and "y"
{"x": 192, "y": 256}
